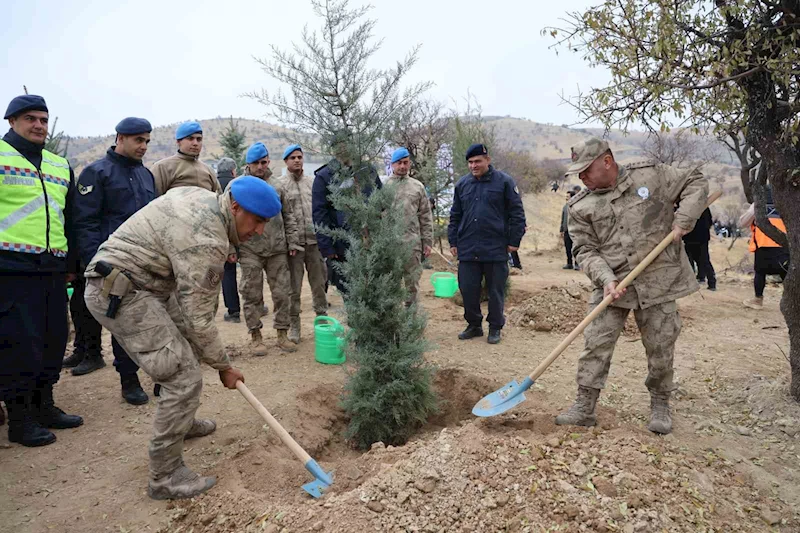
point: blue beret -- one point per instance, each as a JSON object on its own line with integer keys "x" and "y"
{"x": 256, "y": 196}
{"x": 476, "y": 149}
{"x": 26, "y": 102}
{"x": 290, "y": 149}
{"x": 255, "y": 152}
{"x": 399, "y": 154}
{"x": 188, "y": 128}
{"x": 133, "y": 125}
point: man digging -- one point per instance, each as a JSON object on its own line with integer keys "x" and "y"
{"x": 624, "y": 212}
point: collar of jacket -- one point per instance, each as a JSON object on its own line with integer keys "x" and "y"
{"x": 23, "y": 145}
{"x": 486, "y": 175}
{"x": 121, "y": 159}
{"x": 265, "y": 178}
{"x": 227, "y": 216}
{"x": 296, "y": 177}
{"x": 187, "y": 156}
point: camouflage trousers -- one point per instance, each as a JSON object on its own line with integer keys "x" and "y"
{"x": 151, "y": 330}
{"x": 309, "y": 260}
{"x": 252, "y": 288}
{"x": 659, "y": 326}
{"x": 413, "y": 271}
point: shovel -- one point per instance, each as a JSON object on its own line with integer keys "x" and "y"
{"x": 512, "y": 394}
{"x": 322, "y": 480}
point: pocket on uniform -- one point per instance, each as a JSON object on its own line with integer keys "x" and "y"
{"x": 152, "y": 351}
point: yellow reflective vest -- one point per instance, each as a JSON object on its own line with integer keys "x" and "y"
{"x": 32, "y": 202}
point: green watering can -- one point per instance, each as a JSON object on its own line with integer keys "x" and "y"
{"x": 328, "y": 341}
{"x": 445, "y": 284}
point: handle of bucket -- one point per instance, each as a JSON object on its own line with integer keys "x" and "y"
{"x": 329, "y": 319}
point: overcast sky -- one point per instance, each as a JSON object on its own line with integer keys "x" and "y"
{"x": 97, "y": 62}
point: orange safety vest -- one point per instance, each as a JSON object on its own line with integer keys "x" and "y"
{"x": 760, "y": 240}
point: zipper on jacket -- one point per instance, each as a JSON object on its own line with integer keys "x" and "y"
{"x": 46, "y": 210}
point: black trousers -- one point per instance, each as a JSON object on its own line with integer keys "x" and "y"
{"x": 568, "y": 247}
{"x": 33, "y": 331}
{"x": 88, "y": 331}
{"x": 769, "y": 262}
{"x": 230, "y": 290}
{"x": 470, "y": 276}
{"x": 698, "y": 253}
{"x": 335, "y": 277}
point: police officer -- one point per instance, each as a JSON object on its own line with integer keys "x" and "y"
{"x": 295, "y": 187}
{"x": 268, "y": 253}
{"x": 623, "y": 213}
{"x": 487, "y": 221}
{"x": 226, "y": 172}
{"x": 173, "y": 251}
{"x": 35, "y": 190}
{"x": 412, "y": 201}
{"x": 338, "y": 172}
{"x": 110, "y": 190}
{"x": 185, "y": 169}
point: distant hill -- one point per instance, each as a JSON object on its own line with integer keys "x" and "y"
{"x": 543, "y": 141}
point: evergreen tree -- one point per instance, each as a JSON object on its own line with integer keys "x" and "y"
{"x": 334, "y": 95}
{"x": 54, "y": 139}
{"x": 233, "y": 143}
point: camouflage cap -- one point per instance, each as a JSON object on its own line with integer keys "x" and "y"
{"x": 584, "y": 154}
{"x": 226, "y": 164}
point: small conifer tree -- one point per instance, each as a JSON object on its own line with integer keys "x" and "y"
{"x": 233, "y": 143}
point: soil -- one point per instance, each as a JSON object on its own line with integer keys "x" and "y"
{"x": 731, "y": 463}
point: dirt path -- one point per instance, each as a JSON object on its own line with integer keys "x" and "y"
{"x": 735, "y": 437}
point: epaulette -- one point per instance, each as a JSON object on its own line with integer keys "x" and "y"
{"x": 643, "y": 163}
{"x": 582, "y": 194}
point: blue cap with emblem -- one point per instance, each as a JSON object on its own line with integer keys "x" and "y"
{"x": 476, "y": 150}
{"x": 26, "y": 102}
{"x": 188, "y": 128}
{"x": 133, "y": 125}
{"x": 255, "y": 152}
{"x": 256, "y": 196}
{"x": 291, "y": 149}
{"x": 400, "y": 153}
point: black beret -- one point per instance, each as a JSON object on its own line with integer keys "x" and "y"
{"x": 133, "y": 125}
{"x": 476, "y": 149}
{"x": 26, "y": 102}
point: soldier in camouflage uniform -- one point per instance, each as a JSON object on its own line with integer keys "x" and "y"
{"x": 623, "y": 214}
{"x": 268, "y": 253}
{"x": 412, "y": 200}
{"x": 167, "y": 262}
{"x": 295, "y": 187}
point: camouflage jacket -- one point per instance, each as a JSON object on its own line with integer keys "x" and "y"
{"x": 280, "y": 232}
{"x": 411, "y": 198}
{"x": 178, "y": 243}
{"x": 181, "y": 170}
{"x": 298, "y": 195}
{"x": 614, "y": 229}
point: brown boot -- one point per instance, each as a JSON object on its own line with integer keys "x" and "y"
{"x": 180, "y": 484}
{"x": 754, "y": 302}
{"x": 200, "y": 428}
{"x": 294, "y": 330}
{"x": 257, "y": 346}
{"x": 284, "y": 343}
{"x": 582, "y": 411}
{"x": 660, "y": 418}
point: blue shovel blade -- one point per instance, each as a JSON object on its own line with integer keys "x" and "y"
{"x": 322, "y": 480}
{"x": 509, "y": 395}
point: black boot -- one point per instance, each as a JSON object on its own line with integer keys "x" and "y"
{"x": 50, "y": 416}
{"x": 90, "y": 363}
{"x": 470, "y": 333}
{"x": 22, "y": 427}
{"x": 132, "y": 390}
{"x": 494, "y": 336}
{"x": 78, "y": 354}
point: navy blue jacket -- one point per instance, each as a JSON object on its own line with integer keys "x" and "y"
{"x": 323, "y": 212}
{"x": 486, "y": 217}
{"x": 109, "y": 191}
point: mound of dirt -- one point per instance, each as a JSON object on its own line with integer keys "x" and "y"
{"x": 472, "y": 479}
{"x": 559, "y": 309}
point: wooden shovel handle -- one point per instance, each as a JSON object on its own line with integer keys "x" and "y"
{"x": 607, "y": 300}
{"x": 273, "y": 424}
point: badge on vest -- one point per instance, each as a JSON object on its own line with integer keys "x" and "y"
{"x": 644, "y": 193}
{"x": 85, "y": 189}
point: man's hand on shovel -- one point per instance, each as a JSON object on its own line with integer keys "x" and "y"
{"x": 230, "y": 376}
{"x": 678, "y": 233}
{"x": 611, "y": 288}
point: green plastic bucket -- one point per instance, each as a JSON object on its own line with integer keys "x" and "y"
{"x": 328, "y": 341}
{"x": 70, "y": 290}
{"x": 445, "y": 284}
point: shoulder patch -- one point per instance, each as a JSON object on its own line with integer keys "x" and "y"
{"x": 578, "y": 197}
{"x": 85, "y": 189}
{"x": 212, "y": 277}
{"x": 642, "y": 163}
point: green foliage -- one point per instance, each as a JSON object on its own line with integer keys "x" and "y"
{"x": 350, "y": 108}
{"x": 54, "y": 139}
{"x": 469, "y": 129}
{"x": 390, "y": 395}
{"x": 233, "y": 143}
